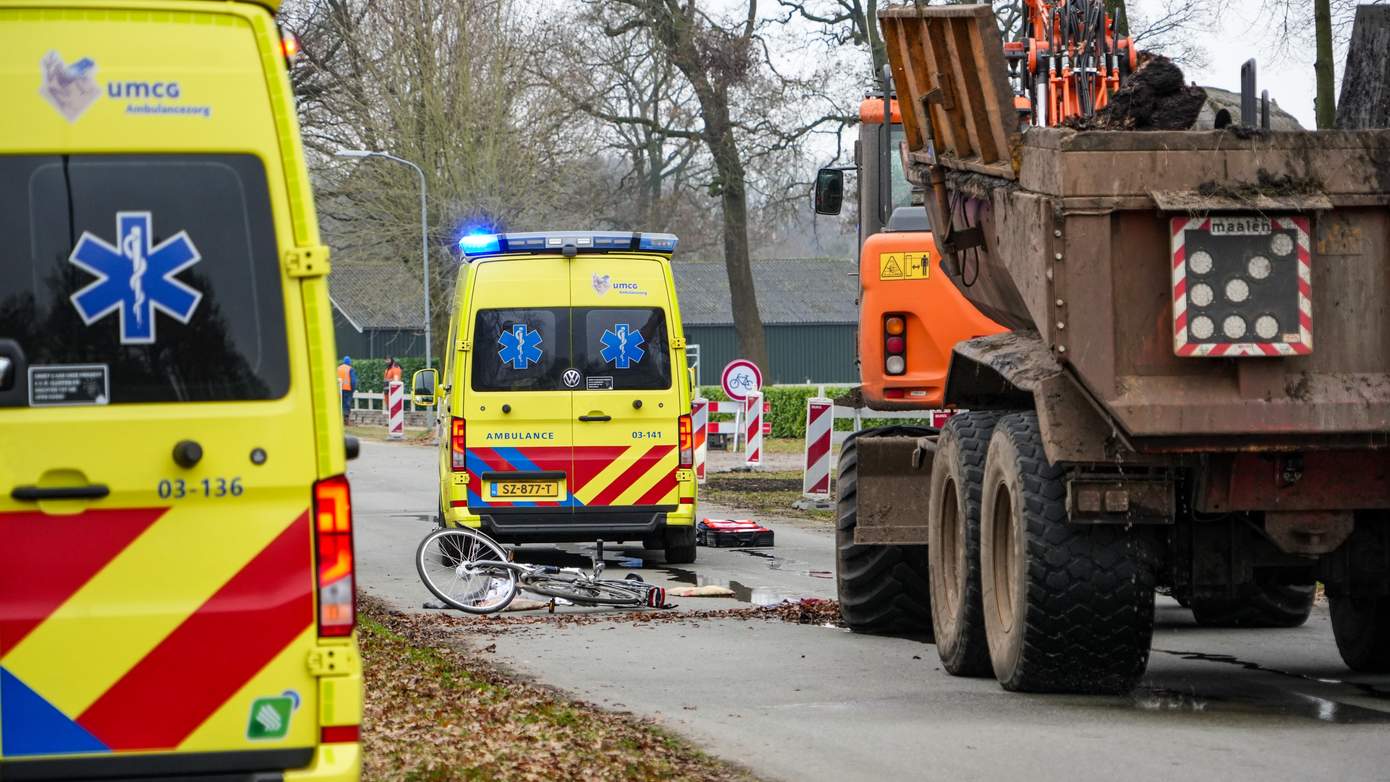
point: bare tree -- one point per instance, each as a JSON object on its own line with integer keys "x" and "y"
{"x": 434, "y": 82}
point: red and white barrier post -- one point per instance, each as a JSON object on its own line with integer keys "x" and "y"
{"x": 820, "y": 422}
{"x": 395, "y": 410}
{"x": 699, "y": 416}
{"x": 753, "y": 427}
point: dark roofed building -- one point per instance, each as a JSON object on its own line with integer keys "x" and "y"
{"x": 809, "y": 310}
{"x": 378, "y": 310}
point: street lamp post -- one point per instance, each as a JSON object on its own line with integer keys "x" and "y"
{"x": 424, "y": 228}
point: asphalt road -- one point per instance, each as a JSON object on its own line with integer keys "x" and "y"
{"x": 799, "y": 702}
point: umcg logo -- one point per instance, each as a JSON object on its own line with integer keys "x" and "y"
{"x": 142, "y": 90}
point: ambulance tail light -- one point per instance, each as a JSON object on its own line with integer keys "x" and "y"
{"x": 687, "y": 441}
{"x": 333, "y": 558}
{"x": 458, "y": 446}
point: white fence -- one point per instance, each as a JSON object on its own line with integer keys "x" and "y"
{"x": 366, "y": 400}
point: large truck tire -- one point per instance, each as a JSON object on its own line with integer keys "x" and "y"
{"x": 1361, "y": 626}
{"x": 1258, "y": 605}
{"x": 680, "y": 545}
{"x": 882, "y": 589}
{"x": 953, "y": 543}
{"x": 1068, "y": 608}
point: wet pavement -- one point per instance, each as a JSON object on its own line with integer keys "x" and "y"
{"x": 806, "y": 702}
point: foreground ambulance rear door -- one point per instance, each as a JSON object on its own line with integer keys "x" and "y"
{"x": 516, "y": 399}
{"x": 627, "y": 405}
{"x": 156, "y": 430}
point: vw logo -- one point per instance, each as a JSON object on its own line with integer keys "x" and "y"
{"x": 571, "y": 378}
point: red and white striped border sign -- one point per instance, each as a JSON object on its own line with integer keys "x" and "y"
{"x": 699, "y": 418}
{"x": 395, "y": 410}
{"x": 753, "y": 429}
{"x": 1180, "y": 227}
{"x": 820, "y": 422}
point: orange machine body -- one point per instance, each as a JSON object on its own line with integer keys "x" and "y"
{"x": 900, "y": 275}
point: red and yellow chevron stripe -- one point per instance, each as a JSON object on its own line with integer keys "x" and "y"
{"x": 149, "y": 628}
{"x": 599, "y": 476}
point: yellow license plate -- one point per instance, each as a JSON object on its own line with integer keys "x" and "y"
{"x": 527, "y": 490}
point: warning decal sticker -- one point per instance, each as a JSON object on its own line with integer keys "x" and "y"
{"x": 904, "y": 266}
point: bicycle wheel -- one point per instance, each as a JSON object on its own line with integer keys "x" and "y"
{"x": 595, "y": 593}
{"x": 445, "y": 561}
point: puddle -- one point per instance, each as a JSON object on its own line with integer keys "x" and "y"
{"x": 783, "y": 564}
{"x": 758, "y": 596}
{"x": 1366, "y": 690}
{"x": 1254, "y": 699}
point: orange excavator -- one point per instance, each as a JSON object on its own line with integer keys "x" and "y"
{"x": 911, "y": 316}
{"x": 1072, "y": 60}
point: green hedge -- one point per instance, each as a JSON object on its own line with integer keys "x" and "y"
{"x": 369, "y": 371}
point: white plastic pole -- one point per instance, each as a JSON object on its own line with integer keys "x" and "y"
{"x": 820, "y": 421}
{"x": 699, "y": 414}
{"x": 753, "y": 428}
{"x": 395, "y": 410}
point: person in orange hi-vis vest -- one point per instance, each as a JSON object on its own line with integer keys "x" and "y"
{"x": 393, "y": 371}
{"x": 347, "y": 383}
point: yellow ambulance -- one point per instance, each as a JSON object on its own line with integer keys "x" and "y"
{"x": 565, "y": 399}
{"x": 176, "y": 563}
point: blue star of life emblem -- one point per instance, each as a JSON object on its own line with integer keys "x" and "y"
{"x": 521, "y": 346}
{"x": 622, "y": 347}
{"x": 135, "y": 278}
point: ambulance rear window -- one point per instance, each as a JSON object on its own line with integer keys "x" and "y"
{"x": 622, "y": 349}
{"x": 141, "y": 278}
{"x": 521, "y": 349}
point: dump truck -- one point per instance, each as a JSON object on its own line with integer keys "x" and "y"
{"x": 1192, "y": 397}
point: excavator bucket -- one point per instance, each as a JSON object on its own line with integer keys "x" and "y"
{"x": 952, "y": 83}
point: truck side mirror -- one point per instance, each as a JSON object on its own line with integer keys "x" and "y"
{"x": 830, "y": 191}
{"x": 422, "y": 385}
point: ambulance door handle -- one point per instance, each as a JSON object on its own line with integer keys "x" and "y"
{"x": 588, "y": 418}
{"x": 92, "y": 491}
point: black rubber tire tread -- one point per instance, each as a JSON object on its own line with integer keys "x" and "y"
{"x": 960, "y": 455}
{"x": 1361, "y": 626}
{"x": 680, "y": 545}
{"x": 882, "y": 589}
{"x": 599, "y": 593}
{"x": 1259, "y": 605}
{"x": 439, "y": 593}
{"x": 1083, "y": 594}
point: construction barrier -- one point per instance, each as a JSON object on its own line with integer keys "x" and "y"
{"x": 821, "y": 436}
{"x": 699, "y": 418}
{"x": 753, "y": 430}
{"x": 395, "y": 410}
{"x": 820, "y": 425}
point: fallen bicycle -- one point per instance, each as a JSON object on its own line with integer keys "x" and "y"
{"x": 470, "y": 571}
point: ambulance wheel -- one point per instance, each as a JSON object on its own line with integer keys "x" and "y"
{"x": 953, "y": 543}
{"x": 680, "y": 545}
{"x": 1361, "y": 627}
{"x": 1068, "y": 607}
{"x": 882, "y": 589}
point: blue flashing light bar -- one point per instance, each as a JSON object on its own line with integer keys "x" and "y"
{"x": 474, "y": 245}
{"x": 480, "y": 244}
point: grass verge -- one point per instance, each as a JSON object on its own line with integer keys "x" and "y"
{"x": 770, "y": 493}
{"x": 435, "y": 711}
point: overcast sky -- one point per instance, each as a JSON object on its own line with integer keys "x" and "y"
{"x": 1241, "y": 31}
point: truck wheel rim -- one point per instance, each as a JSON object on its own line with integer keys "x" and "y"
{"x": 1003, "y": 550}
{"x": 951, "y": 540}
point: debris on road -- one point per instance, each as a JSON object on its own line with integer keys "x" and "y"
{"x": 435, "y": 710}
{"x": 708, "y": 590}
{"x": 807, "y": 611}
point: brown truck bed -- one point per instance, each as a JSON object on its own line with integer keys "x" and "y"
{"x": 1077, "y": 245}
